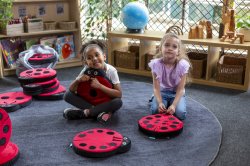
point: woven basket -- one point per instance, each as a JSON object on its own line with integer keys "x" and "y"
{"x": 232, "y": 69}
{"x": 127, "y": 57}
{"x": 148, "y": 57}
{"x": 235, "y": 59}
{"x": 67, "y": 25}
{"x": 198, "y": 61}
{"x": 49, "y": 25}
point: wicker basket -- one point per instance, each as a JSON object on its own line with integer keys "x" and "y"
{"x": 199, "y": 61}
{"x": 235, "y": 59}
{"x": 49, "y": 25}
{"x": 67, "y": 25}
{"x": 127, "y": 57}
{"x": 148, "y": 57}
{"x": 231, "y": 69}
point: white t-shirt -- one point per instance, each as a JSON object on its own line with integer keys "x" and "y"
{"x": 111, "y": 73}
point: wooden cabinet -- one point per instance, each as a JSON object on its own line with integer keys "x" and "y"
{"x": 147, "y": 40}
{"x": 70, "y": 13}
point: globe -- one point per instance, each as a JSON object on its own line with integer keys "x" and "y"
{"x": 135, "y": 17}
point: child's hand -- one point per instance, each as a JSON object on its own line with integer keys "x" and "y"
{"x": 162, "y": 108}
{"x": 171, "y": 109}
{"x": 83, "y": 78}
{"x": 95, "y": 83}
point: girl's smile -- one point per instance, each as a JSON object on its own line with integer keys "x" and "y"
{"x": 95, "y": 58}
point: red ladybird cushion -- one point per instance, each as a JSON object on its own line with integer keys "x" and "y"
{"x": 37, "y": 59}
{"x": 12, "y": 101}
{"x": 54, "y": 95}
{"x": 36, "y": 75}
{"x": 5, "y": 129}
{"x": 9, "y": 155}
{"x": 100, "y": 142}
{"x": 92, "y": 95}
{"x": 160, "y": 125}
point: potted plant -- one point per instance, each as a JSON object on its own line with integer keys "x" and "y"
{"x": 243, "y": 24}
{"x": 5, "y": 13}
{"x": 98, "y": 17}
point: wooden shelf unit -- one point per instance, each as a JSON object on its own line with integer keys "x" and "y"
{"x": 71, "y": 13}
{"x": 119, "y": 39}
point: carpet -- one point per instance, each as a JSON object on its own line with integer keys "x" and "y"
{"x": 44, "y": 136}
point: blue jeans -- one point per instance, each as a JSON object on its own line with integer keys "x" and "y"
{"x": 167, "y": 100}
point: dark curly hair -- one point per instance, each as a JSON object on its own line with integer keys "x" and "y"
{"x": 100, "y": 43}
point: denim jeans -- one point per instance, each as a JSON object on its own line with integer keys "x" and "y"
{"x": 167, "y": 100}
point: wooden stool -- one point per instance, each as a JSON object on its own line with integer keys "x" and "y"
{"x": 238, "y": 35}
{"x": 229, "y": 35}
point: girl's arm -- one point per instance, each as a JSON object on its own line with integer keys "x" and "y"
{"x": 157, "y": 94}
{"x": 113, "y": 93}
{"x": 73, "y": 86}
{"x": 179, "y": 94}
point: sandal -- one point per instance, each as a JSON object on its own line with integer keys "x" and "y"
{"x": 104, "y": 117}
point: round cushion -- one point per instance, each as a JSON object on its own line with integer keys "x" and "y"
{"x": 5, "y": 129}
{"x": 9, "y": 155}
{"x": 39, "y": 85}
{"x": 92, "y": 95}
{"x": 38, "y": 59}
{"x": 36, "y": 75}
{"x": 52, "y": 88}
{"x": 54, "y": 95}
{"x": 12, "y": 101}
{"x": 100, "y": 142}
{"x": 160, "y": 125}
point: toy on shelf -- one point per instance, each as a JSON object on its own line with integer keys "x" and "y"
{"x": 238, "y": 35}
{"x": 197, "y": 32}
{"x": 229, "y": 35}
{"x": 228, "y": 18}
{"x": 209, "y": 30}
{"x": 175, "y": 29}
{"x": 232, "y": 36}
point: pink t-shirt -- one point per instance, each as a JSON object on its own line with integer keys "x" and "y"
{"x": 169, "y": 78}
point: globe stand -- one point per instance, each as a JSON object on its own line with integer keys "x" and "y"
{"x": 134, "y": 30}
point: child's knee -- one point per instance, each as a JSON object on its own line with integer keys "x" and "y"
{"x": 154, "y": 109}
{"x": 66, "y": 96}
{"x": 181, "y": 114}
{"x": 115, "y": 104}
{"x": 118, "y": 102}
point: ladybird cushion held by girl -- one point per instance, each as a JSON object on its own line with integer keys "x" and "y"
{"x": 169, "y": 71}
{"x": 94, "y": 56}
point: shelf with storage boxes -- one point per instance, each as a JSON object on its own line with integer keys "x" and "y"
{"x": 12, "y": 29}
{"x": 199, "y": 63}
{"x": 48, "y": 14}
{"x": 231, "y": 68}
{"x": 148, "y": 41}
{"x": 149, "y": 56}
{"x": 127, "y": 57}
{"x": 33, "y": 25}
